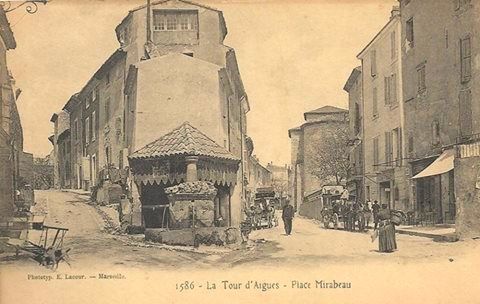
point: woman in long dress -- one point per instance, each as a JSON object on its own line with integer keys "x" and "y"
{"x": 386, "y": 231}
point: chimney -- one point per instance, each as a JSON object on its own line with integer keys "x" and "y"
{"x": 149, "y": 17}
{"x": 395, "y": 12}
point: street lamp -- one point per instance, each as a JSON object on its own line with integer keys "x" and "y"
{"x": 31, "y": 6}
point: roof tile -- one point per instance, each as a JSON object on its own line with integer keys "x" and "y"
{"x": 184, "y": 140}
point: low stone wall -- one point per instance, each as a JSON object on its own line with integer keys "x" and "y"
{"x": 467, "y": 192}
{"x": 187, "y": 237}
{"x": 311, "y": 210}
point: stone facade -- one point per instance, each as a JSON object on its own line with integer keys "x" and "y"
{"x": 195, "y": 76}
{"x": 467, "y": 191}
{"x": 60, "y": 140}
{"x": 440, "y": 68}
{"x": 305, "y": 141}
{"x": 353, "y": 86}
{"x": 385, "y": 174}
{"x": 258, "y": 176}
{"x": 11, "y": 140}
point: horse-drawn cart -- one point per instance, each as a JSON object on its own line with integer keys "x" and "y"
{"x": 48, "y": 251}
{"x": 330, "y": 212}
{"x": 264, "y": 207}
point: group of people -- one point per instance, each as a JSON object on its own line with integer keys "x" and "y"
{"x": 261, "y": 209}
{"x": 360, "y": 212}
{"x": 384, "y": 226}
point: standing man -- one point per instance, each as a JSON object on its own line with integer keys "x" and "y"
{"x": 375, "y": 210}
{"x": 287, "y": 216}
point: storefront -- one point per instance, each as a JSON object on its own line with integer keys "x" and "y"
{"x": 434, "y": 189}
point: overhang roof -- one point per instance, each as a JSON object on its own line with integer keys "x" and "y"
{"x": 327, "y": 110}
{"x": 185, "y": 140}
{"x": 390, "y": 21}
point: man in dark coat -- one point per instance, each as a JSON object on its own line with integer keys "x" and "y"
{"x": 287, "y": 216}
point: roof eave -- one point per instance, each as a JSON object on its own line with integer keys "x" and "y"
{"x": 362, "y": 52}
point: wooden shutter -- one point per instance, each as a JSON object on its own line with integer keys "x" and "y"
{"x": 393, "y": 89}
{"x": 466, "y": 59}
{"x": 387, "y": 147}
{"x": 375, "y": 103}
{"x": 387, "y": 90}
{"x": 373, "y": 63}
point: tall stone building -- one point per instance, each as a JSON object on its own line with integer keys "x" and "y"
{"x": 385, "y": 174}
{"x": 15, "y": 165}
{"x": 61, "y": 149}
{"x": 355, "y": 179}
{"x": 258, "y": 176}
{"x": 440, "y": 68}
{"x": 171, "y": 67}
{"x": 305, "y": 141}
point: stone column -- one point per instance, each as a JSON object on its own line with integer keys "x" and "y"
{"x": 191, "y": 168}
{"x": 136, "y": 207}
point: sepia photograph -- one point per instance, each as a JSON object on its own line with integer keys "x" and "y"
{"x": 240, "y": 151}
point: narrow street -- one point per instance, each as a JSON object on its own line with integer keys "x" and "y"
{"x": 310, "y": 244}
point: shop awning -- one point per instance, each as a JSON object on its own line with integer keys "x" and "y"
{"x": 442, "y": 164}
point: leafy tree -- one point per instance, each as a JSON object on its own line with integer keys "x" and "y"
{"x": 329, "y": 152}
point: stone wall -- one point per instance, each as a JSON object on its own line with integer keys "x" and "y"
{"x": 6, "y": 180}
{"x": 219, "y": 236}
{"x": 467, "y": 192}
{"x": 191, "y": 205}
{"x": 311, "y": 210}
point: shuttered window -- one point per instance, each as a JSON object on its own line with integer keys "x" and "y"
{"x": 375, "y": 152}
{"x": 393, "y": 45}
{"x": 388, "y": 148}
{"x": 393, "y": 89}
{"x": 421, "y": 78}
{"x": 373, "y": 63}
{"x": 386, "y": 82}
{"x": 465, "y": 59}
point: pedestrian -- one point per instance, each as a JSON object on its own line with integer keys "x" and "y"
{"x": 367, "y": 212}
{"x": 287, "y": 217}
{"x": 375, "y": 210}
{"x": 386, "y": 231}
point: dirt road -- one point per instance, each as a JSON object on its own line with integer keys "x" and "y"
{"x": 309, "y": 244}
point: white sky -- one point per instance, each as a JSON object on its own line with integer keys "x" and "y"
{"x": 294, "y": 56}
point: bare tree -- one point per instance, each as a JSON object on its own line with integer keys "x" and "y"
{"x": 330, "y": 155}
{"x": 280, "y": 186}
